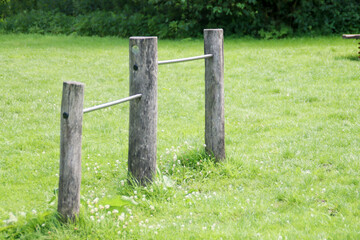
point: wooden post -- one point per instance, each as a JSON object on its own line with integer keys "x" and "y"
{"x": 214, "y": 93}
{"x": 143, "y": 64}
{"x": 70, "y": 150}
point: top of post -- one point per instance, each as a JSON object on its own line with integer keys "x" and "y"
{"x": 213, "y": 30}
{"x": 73, "y": 83}
{"x": 137, "y": 37}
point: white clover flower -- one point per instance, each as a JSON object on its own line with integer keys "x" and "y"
{"x": 213, "y": 226}
{"x": 92, "y": 218}
{"x": 108, "y": 213}
{"x": 34, "y": 211}
{"x": 115, "y": 211}
{"x": 107, "y": 206}
{"x": 101, "y": 207}
{"x": 102, "y": 217}
{"x": 12, "y": 219}
{"x": 152, "y": 207}
{"x": 121, "y": 217}
{"x": 92, "y": 211}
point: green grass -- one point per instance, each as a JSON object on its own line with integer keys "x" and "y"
{"x": 292, "y": 141}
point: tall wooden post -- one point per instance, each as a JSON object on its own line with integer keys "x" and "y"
{"x": 143, "y": 112}
{"x": 214, "y": 93}
{"x": 70, "y": 150}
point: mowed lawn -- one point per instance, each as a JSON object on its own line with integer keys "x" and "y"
{"x": 292, "y": 112}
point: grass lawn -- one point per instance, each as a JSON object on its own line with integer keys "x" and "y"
{"x": 292, "y": 112}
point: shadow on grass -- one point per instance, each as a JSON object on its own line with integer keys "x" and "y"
{"x": 348, "y": 57}
{"x": 31, "y": 226}
{"x": 196, "y": 158}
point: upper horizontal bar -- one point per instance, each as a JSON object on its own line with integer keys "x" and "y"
{"x": 111, "y": 103}
{"x": 184, "y": 59}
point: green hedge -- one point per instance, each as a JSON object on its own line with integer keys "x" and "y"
{"x": 180, "y": 18}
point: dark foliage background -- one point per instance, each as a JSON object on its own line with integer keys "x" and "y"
{"x": 181, "y": 18}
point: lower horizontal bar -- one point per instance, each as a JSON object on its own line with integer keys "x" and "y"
{"x": 86, "y": 110}
{"x": 185, "y": 59}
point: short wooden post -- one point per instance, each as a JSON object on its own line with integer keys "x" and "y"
{"x": 214, "y": 93}
{"x": 70, "y": 150}
{"x": 143, "y": 64}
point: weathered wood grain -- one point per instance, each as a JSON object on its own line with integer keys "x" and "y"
{"x": 70, "y": 150}
{"x": 143, "y": 111}
{"x": 214, "y": 93}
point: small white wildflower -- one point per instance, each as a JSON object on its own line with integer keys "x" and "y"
{"x": 43, "y": 225}
{"x": 92, "y": 211}
{"x": 92, "y": 218}
{"x": 119, "y": 232}
{"x": 121, "y": 217}
{"x": 204, "y": 228}
{"x": 152, "y": 207}
{"x": 155, "y": 232}
{"x": 96, "y": 200}
{"x": 34, "y": 211}
{"x": 107, "y": 206}
{"x": 108, "y": 213}
{"x": 101, "y": 207}
{"x": 12, "y": 219}
{"x": 115, "y": 211}
{"x": 102, "y": 217}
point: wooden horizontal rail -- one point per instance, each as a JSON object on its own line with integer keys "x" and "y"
{"x": 111, "y": 103}
{"x": 185, "y": 59}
